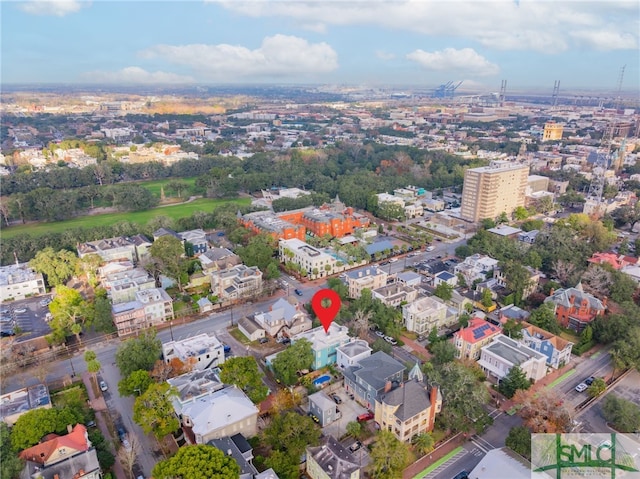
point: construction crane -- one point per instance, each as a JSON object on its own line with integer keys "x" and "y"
{"x": 503, "y": 92}
{"x": 446, "y": 90}
{"x": 620, "y": 78}
{"x": 556, "y": 92}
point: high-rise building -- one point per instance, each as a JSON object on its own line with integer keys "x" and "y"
{"x": 552, "y": 131}
{"x": 490, "y": 190}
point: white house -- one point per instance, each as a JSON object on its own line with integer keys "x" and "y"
{"x": 18, "y": 281}
{"x": 476, "y": 267}
{"x": 238, "y": 282}
{"x": 424, "y": 314}
{"x": 370, "y": 278}
{"x": 351, "y": 353}
{"x": 445, "y": 277}
{"x": 497, "y": 358}
{"x": 202, "y": 351}
{"x": 316, "y": 263}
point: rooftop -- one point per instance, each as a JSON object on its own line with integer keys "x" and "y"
{"x": 23, "y": 400}
{"x": 17, "y": 273}
{"x": 354, "y": 348}
{"x": 376, "y": 370}
{"x": 191, "y": 347}
{"x": 196, "y": 383}
{"x": 512, "y": 351}
{"x": 335, "y": 335}
{"x": 335, "y": 460}
{"x": 412, "y": 397}
{"x": 477, "y": 330}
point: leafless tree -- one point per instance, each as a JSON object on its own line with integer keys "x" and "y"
{"x": 563, "y": 270}
{"x": 597, "y": 281}
{"x": 128, "y": 455}
{"x": 361, "y": 322}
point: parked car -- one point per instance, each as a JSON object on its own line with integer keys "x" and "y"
{"x": 45, "y": 301}
{"x": 103, "y": 386}
{"x": 20, "y": 310}
{"x": 355, "y": 446}
{"x": 380, "y": 334}
{"x": 367, "y": 416}
{"x": 581, "y": 387}
{"x": 263, "y": 340}
{"x": 286, "y": 341}
{"x": 337, "y": 399}
{"x": 91, "y": 424}
{"x": 7, "y": 332}
{"x": 430, "y": 248}
{"x": 227, "y": 348}
{"x": 298, "y": 292}
{"x": 589, "y": 380}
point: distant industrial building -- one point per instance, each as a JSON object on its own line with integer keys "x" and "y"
{"x": 491, "y": 190}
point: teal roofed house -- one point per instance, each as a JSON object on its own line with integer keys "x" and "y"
{"x": 324, "y": 345}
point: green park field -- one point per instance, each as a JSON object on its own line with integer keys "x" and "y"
{"x": 154, "y": 186}
{"x": 140, "y": 217}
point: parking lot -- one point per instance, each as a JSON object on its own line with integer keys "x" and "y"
{"x": 27, "y": 316}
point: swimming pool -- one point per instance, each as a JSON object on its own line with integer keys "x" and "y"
{"x": 321, "y": 380}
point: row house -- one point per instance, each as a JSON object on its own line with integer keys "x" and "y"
{"x": 149, "y": 308}
{"x": 395, "y": 294}
{"x": 238, "y": 282}
{"x": 475, "y": 267}
{"x": 470, "y": 339}
{"x": 122, "y": 286}
{"x": 19, "y": 281}
{"x": 332, "y": 460}
{"x": 370, "y": 278}
{"x": 503, "y": 353}
{"x": 196, "y": 238}
{"x": 575, "y": 309}
{"x": 200, "y": 352}
{"x": 134, "y": 248}
{"x": 218, "y": 259}
{"x": 426, "y": 313}
{"x": 316, "y": 263}
{"x": 533, "y": 280}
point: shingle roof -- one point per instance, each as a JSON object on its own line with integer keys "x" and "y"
{"x": 376, "y": 369}
{"x": 412, "y": 397}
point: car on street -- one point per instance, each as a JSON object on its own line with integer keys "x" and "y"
{"x": 298, "y": 292}
{"x": 390, "y": 340}
{"x": 380, "y": 334}
{"x": 581, "y": 387}
{"x": 20, "y": 310}
{"x": 337, "y": 399}
{"x": 589, "y": 380}
{"x": 103, "y": 386}
{"x": 367, "y": 416}
{"x": 355, "y": 446}
{"x": 461, "y": 475}
{"x": 393, "y": 260}
{"x": 430, "y": 248}
{"x": 384, "y": 263}
{"x": 45, "y": 301}
{"x": 7, "y": 332}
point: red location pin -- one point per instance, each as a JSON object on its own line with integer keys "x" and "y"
{"x": 326, "y": 314}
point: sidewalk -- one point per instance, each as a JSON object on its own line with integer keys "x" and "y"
{"x": 100, "y": 407}
{"x": 418, "y": 349}
{"x": 428, "y": 459}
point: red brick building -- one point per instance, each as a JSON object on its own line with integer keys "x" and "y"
{"x": 574, "y": 308}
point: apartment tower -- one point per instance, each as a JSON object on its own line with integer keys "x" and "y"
{"x": 490, "y": 190}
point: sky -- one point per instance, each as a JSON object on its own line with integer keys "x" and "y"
{"x": 529, "y": 43}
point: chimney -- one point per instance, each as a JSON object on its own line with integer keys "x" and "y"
{"x": 604, "y": 301}
{"x": 551, "y": 291}
{"x": 387, "y": 386}
{"x": 69, "y": 428}
{"x": 572, "y": 299}
{"x": 433, "y": 398}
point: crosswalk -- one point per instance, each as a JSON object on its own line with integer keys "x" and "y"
{"x": 481, "y": 444}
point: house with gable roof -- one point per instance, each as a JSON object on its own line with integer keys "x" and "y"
{"x": 372, "y": 376}
{"x": 283, "y": 319}
{"x": 472, "y": 338}
{"x": 556, "y": 349}
{"x": 71, "y": 456}
{"x": 331, "y": 460}
{"x": 575, "y": 309}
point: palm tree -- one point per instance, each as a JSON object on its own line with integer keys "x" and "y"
{"x": 424, "y": 442}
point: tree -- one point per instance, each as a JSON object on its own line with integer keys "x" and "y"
{"x": 623, "y": 414}
{"x": 292, "y": 433}
{"x": 598, "y": 386}
{"x": 199, "y": 461}
{"x": 423, "y": 442}
{"x": 381, "y": 345}
{"x": 544, "y": 317}
{"x": 389, "y": 456}
{"x": 518, "y": 279}
{"x": 463, "y": 396}
{"x": 33, "y": 425}
{"x": 296, "y": 357}
{"x": 11, "y": 465}
{"x": 354, "y": 429}
{"x": 361, "y": 323}
{"x": 153, "y": 410}
{"x": 260, "y": 251}
{"x": 56, "y": 266}
{"x": 168, "y": 253}
{"x": 103, "y": 318}
{"x": 443, "y": 352}
{"x": 243, "y": 372}
{"x": 285, "y": 465}
{"x": 67, "y": 308}
{"x": 519, "y": 441}
{"x": 515, "y": 380}
{"x": 129, "y": 455}
{"x": 93, "y": 365}
{"x": 487, "y": 299}
{"x": 512, "y": 329}
{"x": 339, "y": 287}
{"x": 543, "y": 412}
{"x": 138, "y": 353}
{"x": 520, "y": 213}
{"x": 135, "y": 383}
{"x": 627, "y": 349}
{"x": 444, "y": 291}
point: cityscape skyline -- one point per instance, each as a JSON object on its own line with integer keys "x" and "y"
{"x": 414, "y": 42}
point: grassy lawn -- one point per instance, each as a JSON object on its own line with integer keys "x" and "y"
{"x": 140, "y": 217}
{"x": 237, "y": 334}
{"x": 154, "y": 186}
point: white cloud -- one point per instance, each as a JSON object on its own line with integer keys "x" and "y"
{"x": 382, "y": 55}
{"x": 278, "y": 55}
{"x": 135, "y": 75}
{"x": 316, "y": 27}
{"x": 542, "y": 26}
{"x": 58, "y": 8}
{"x": 465, "y": 60}
{"x": 599, "y": 40}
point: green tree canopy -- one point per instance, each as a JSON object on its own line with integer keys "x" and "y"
{"x": 10, "y": 465}
{"x": 514, "y": 380}
{"x": 138, "y": 353}
{"x": 168, "y": 254}
{"x": 33, "y": 425}
{"x": 519, "y": 441}
{"x": 389, "y": 456}
{"x": 199, "y": 461}
{"x": 622, "y": 413}
{"x": 56, "y": 266}
{"x": 259, "y": 251}
{"x": 444, "y": 291}
{"x": 154, "y": 412}
{"x": 296, "y": 357}
{"x": 67, "y": 309}
{"x": 443, "y": 352}
{"x": 512, "y": 329}
{"x": 545, "y": 318}
{"x": 243, "y": 372}
{"x": 598, "y": 386}
{"x": 135, "y": 383}
{"x": 627, "y": 349}
{"x": 291, "y": 432}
